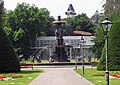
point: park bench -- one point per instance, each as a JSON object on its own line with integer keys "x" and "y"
{"x": 26, "y": 66}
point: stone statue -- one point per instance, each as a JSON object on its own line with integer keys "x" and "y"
{"x": 59, "y": 33}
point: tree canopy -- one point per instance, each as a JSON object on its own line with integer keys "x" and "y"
{"x": 111, "y": 6}
{"x": 25, "y": 23}
{"x": 81, "y": 23}
{"x": 112, "y": 9}
{"x": 99, "y": 41}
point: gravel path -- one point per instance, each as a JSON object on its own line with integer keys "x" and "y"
{"x": 60, "y": 76}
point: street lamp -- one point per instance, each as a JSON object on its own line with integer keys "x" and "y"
{"x": 75, "y": 58}
{"x": 106, "y": 24}
{"x": 75, "y": 53}
{"x": 82, "y": 42}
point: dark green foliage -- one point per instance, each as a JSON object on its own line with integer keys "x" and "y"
{"x": 24, "y": 24}
{"x": 110, "y": 6}
{"x": 1, "y": 12}
{"x": 99, "y": 41}
{"x": 9, "y": 61}
{"x": 114, "y": 49}
{"x": 112, "y": 9}
{"x": 115, "y": 15}
{"x": 80, "y": 23}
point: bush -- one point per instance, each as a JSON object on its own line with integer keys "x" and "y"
{"x": 114, "y": 49}
{"x": 9, "y": 61}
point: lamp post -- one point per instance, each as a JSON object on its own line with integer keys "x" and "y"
{"x": 82, "y": 33}
{"x": 75, "y": 59}
{"x": 82, "y": 41}
{"x": 106, "y": 24}
{"x": 75, "y": 50}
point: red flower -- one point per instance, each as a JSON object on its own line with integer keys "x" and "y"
{"x": 2, "y": 76}
{"x": 116, "y": 75}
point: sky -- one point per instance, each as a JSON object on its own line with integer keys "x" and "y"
{"x": 59, "y": 7}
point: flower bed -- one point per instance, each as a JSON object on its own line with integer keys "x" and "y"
{"x": 10, "y": 76}
{"x": 2, "y": 76}
{"x": 113, "y": 75}
{"x": 14, "y": 75}
{"x": 116, "y": 75}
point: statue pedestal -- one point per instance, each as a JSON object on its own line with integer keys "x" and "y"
{"x": 60, "y": 54}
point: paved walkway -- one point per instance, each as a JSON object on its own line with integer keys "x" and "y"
{"x": 60, "y": 76}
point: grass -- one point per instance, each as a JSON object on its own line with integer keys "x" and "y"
{"x": 97, "y": 80}
{"x": 44, "y": 61}
{"x": 85, "y": 60}
{"x": 29, "y": 61}
{"x": 27, "y": 77}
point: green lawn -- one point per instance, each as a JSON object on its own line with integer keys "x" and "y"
{"x": 29, "y": 61}
{"x": 97, "y": 80}
{"x": 85, "y": 60}
{"x": 27, "y": 77}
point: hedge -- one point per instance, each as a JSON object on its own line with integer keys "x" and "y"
{"x": 113, "y": 50}
{"x": 9, "y": 61}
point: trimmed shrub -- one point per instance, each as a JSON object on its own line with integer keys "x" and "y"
{"x": 113, "y": 50}
{"x": 9, "y": 61}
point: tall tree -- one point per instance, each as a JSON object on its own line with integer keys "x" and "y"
{"x": 1, "y": 12}
{"x": 9, "y": 61}
{"x": 80, "y": 22}
{"x": 99, "y": 41}
{"x": 27, "y": 22}
{"x": 49, "y": 27}
{"x": 112, "y": 9}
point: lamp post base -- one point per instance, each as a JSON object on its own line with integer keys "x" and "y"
{"x": 107, "y": 77}
{"x": 76, "y": 63}
{"x": 83, "y": 70}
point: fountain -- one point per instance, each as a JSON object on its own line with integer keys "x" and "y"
{"x": 60, "y": 55}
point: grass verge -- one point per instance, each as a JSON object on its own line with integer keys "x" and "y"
{"x": 99, "y": 79}
{"x": 27, "y": 77}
